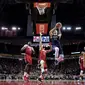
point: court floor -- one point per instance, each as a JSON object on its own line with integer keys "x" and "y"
{"x": 49, "y": 82}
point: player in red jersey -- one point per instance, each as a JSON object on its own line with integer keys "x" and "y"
{"x": 28, "y": 59}
{"x": 82, "y": 64}
{"x": 42, "y": 59}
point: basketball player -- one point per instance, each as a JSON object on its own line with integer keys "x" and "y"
{"x": 55, "y": 36}
{"x": 42, "y": 59}
{"x": 28, "y": 59}
{"x": 81, "y": 63}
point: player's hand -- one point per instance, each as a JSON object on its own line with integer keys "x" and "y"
{"x": 58, "y": 25}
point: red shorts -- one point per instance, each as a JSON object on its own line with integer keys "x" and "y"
{"x": 81, "y": 67}
{"x": 28, "y": 59}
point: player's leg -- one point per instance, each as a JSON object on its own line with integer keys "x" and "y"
{"x": 28, "y": 66}
{"x": 26, "y": 75}
{"x": 61, "y": 58}
{"x": 56, "y": 55}
{"x": 61, "y": 55}
{"x": 45, "y": 70}
{"x": 81, "y": 75}
{"x": 27, "y": 71}
{"x": 42, "y": 70}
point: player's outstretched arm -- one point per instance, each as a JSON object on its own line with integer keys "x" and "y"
{"x": 60, "y": 34}
{"x": 51, "y": 32}
{"x": 24, "y": 47}
{"x": 40, "y": 44}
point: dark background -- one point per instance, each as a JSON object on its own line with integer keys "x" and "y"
{"x": 72, "y": 14}
{"x": 68, "y": 12}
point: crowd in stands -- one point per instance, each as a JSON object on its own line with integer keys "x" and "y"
{"x": 14, "y": 68}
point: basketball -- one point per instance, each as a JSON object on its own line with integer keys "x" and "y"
{"x": 58, "y": 25}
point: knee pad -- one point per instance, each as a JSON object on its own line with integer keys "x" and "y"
{"x": 56, "y": 49}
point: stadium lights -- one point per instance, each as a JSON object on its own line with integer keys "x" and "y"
{"x": 68, "y": 28}
{"x": 4, "y": 28}
{"x": 18, "y": 28}
{"x": 78, "y": 28}
{"x": 14, "y": 28}
{"x": 64, "y": 28}
{"x": 75, "y": 52}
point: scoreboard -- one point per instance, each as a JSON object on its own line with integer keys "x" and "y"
{"x": 45, "y": 39}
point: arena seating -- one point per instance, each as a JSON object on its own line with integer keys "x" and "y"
{"x": 13, "y": 69}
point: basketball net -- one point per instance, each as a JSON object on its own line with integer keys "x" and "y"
{"x": 41, "y": 8}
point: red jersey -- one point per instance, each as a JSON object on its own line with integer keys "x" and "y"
{"x": 42, "y": 55}
{"x": 28, "y": 52}
{"x": 81, "y": 63}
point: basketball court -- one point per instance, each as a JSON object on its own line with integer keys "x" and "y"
{"x": 47, "y": 82}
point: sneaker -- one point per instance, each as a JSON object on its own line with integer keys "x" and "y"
{"x": 81, "y": 78}
{"x": 25, "y": 78}
{"x": 56, "y": 62}
{"x": 39, "y": 79}
{"x": 60, "y": 59}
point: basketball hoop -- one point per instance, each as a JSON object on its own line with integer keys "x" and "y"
{"x": 41, "y": 8}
